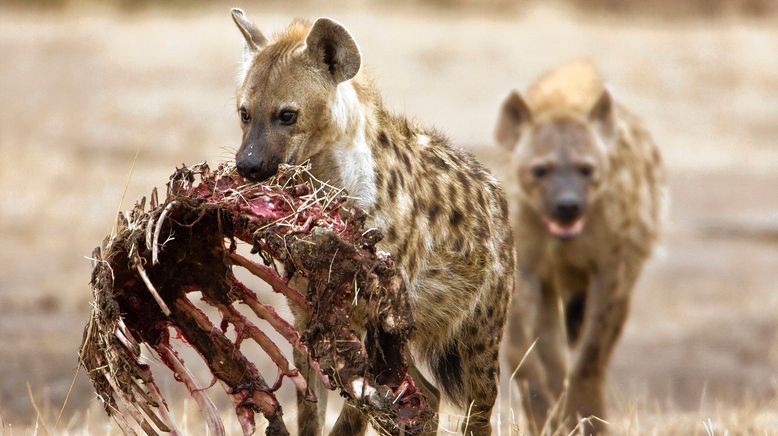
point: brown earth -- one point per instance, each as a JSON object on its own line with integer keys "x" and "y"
{"x": 85, "y": 88}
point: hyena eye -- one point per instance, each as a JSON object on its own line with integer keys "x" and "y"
{"x": 585, "y": 170}
{"x": 287, "y": 117}
{"x": 539, "y": 171}
{"x": 244, "y": 116}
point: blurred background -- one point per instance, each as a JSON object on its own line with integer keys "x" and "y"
{"x": 84, "y": 86}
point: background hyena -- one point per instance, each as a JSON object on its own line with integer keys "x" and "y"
{"x": 586, "y": 213}
{"x": 444, "y": 217}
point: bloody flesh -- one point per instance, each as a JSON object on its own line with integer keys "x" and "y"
{"x": 145, "y": 272}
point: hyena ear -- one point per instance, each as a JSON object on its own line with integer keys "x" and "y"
{"x": 333, "y": 49}
{"x": 514, "y": 115}
{"x": 601, "y": 113}
{"x": 253, "y": 39}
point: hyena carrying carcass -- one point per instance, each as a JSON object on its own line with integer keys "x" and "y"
{"x": 444, "y": 217}
{"x": 586, "y": 212}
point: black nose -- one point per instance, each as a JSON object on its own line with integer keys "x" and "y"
{"x": 567, "y": 210}
{"x": 254, "y": 169}
{"x": 249, "y": 169}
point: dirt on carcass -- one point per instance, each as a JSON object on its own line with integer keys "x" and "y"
{"x": 146, "y": 270}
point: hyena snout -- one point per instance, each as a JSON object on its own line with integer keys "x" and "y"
{"x": 253, "y": 166}
{"x": 568, "y": 209}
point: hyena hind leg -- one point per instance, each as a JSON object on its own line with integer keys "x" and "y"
{"x": 481, "y": 377}
{"x": 574, "y": 317}
{"x": 480, "y": 373}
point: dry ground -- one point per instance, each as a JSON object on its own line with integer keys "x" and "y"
{"x": 82, "y": 90}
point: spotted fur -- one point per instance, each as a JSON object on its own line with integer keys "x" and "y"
{"x": 444, "y": 217}
{"x": 573, "y": 293}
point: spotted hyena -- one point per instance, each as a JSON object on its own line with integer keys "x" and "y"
{"x": 444, "y": 217}
{"x": 586, "y": 210}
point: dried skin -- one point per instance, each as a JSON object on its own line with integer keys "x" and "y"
{"x": 144, "y": 272}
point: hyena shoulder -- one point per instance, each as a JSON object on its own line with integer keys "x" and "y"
{"x": 635, "y": 202}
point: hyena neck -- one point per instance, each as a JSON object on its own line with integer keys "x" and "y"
{"x": 351, "y": 155}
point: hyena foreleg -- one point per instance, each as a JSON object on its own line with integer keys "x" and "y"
{"x": 552, "y": 340}
{"x": 352, "y": 422}
{"x": 539, "y": 369}
{"x": 310, "y": 416}
{"x": 607, "y": 309}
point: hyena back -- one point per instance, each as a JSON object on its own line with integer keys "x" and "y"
{"x": 444, "y": 217}
{"x": 587, "y": 209}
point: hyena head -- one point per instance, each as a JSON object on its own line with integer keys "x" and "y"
{"x": 560, "y": 158}
{"x": 288, "y": 103}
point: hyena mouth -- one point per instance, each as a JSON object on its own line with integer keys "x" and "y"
{"x": 566, "y": 230}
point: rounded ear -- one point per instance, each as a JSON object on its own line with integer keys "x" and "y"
{"x": 514, "y": 114}
{"x": 601, "y": 113}
{"x": 333, "y": 49}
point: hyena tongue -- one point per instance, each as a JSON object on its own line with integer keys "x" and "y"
{"x": 565, "y": 230}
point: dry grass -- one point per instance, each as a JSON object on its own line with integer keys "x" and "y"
{"x": 639, "y": 419}
{"x": 86, "y": 87}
